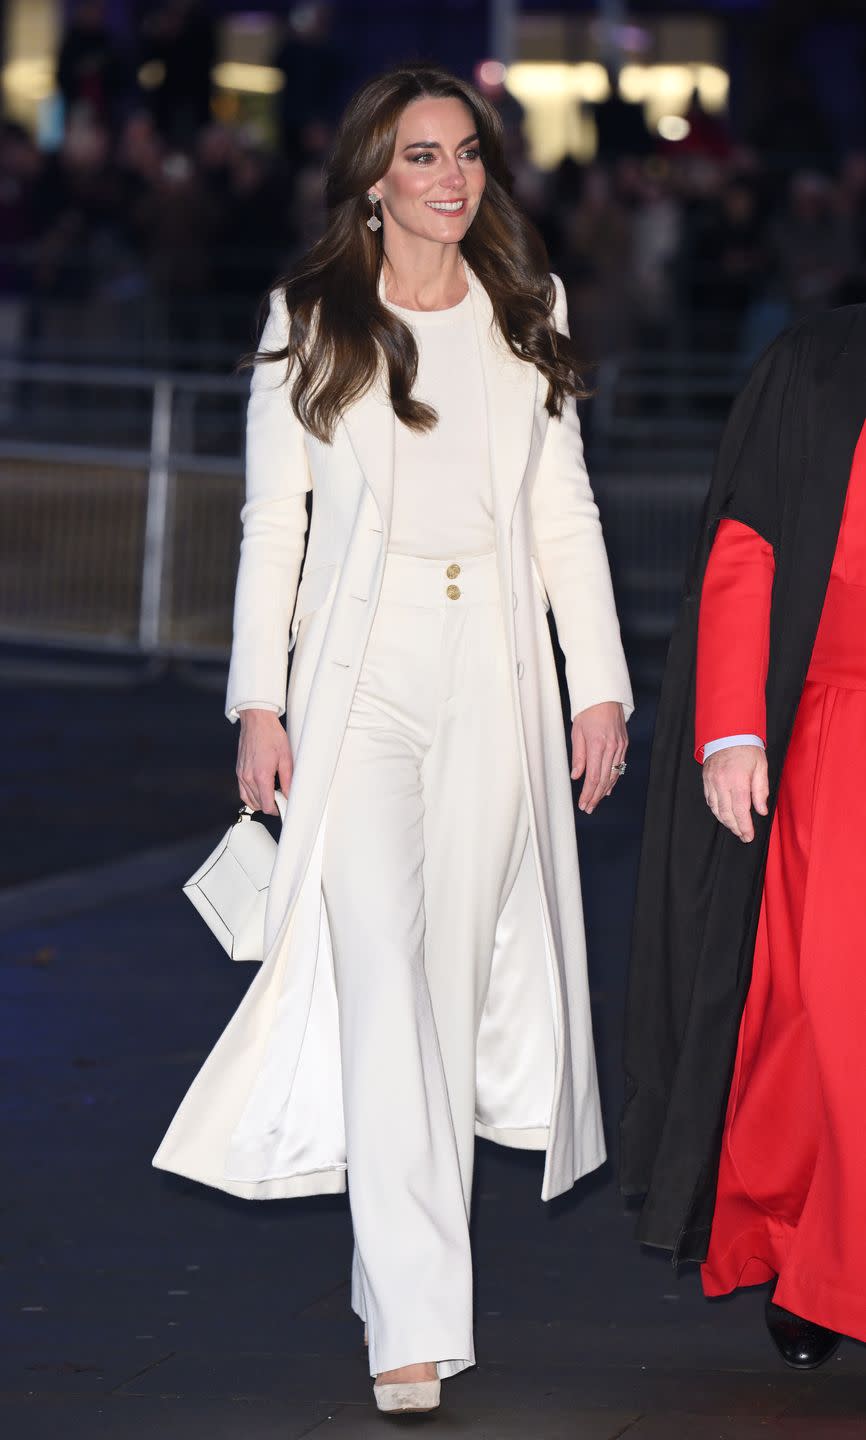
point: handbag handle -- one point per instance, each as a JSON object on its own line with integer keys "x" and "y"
{"x": 246, "y": 812}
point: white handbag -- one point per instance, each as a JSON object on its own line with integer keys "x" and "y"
{"x": 230, "y": 890}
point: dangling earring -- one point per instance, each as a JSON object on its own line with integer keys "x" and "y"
{"x": 374, "y": 223}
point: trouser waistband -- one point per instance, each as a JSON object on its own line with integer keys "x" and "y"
{"x": 449, "y": 582}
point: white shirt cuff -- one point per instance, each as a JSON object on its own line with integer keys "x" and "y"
{"x": 258, "y": 705}
{"x": 727, "y": 741}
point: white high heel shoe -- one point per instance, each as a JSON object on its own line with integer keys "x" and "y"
{"x": 415, "y": 1397}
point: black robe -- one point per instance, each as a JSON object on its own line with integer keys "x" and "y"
{"x": 783, "y": 469}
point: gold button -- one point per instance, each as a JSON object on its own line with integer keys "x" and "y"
{"x": 452, "y": 572}
{"x": 453, "y": 592}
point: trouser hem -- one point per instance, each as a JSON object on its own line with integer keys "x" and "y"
{"x": 423, "y": 1352}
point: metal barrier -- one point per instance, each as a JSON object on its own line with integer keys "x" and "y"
{"x": 130, "y": 543}
{"x": 120, "y": 493}
{"x": 669, "y": 406}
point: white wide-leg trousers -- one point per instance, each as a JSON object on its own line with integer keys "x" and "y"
{"x": 426, "y": 829}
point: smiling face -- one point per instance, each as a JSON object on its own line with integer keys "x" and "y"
{"x": 436, "y": 180}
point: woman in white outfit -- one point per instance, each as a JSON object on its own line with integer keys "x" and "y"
{"x": 424, "y": 978}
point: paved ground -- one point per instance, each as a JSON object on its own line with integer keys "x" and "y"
{"x": 99, "y": 760}
{"x": 135, "y": 1305}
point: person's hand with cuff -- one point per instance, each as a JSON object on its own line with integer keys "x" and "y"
{"x": 736, "y": 781}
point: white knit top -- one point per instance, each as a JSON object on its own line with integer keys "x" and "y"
{"x": 443, "y": 502}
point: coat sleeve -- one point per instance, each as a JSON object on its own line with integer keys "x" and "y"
{"x": 573, "y": 561}
{"x": 274, "y": 519}
{"x": 734, "y": 636}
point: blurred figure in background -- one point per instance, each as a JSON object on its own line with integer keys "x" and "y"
{"x": 215, "y": 151}
{"x": 656, "y": 219}
{"x": 596, "y": 243}
{"x": 256, "y": 230}
{"x": 852, "y": 200}
{"x": 813, "y": 244}
{"x": 180, "y": 35}
{"x": 490, "y": 79}
{"x": 530, "y": 184}
{"x": 79, "y": 205}
{"x": 307, "y": 205}
{"x": 139, "y": 159}
{"x": 314, "y": 79}
{"x": 82, "y": 238}
{"x": 789, "y": 126}
{"x": 91, "y": 73}
{"x": 852, "y": 185}
{"x": 140, "y": 150}
{"x": 178, "y": 220}
{"x": 21, "y": 169}
{"x": 708, "y": 134}
{"x": 20, "y": 173}
{"x": 620, "y": 126}
{"x": 728, "y": 265}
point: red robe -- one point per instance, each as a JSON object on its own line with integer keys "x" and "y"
{"x": 791, "y": 1194}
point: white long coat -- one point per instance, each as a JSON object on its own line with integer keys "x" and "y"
{"x": 263, "y": 1118}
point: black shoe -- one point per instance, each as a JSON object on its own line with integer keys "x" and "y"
{"x": 801, "y": 1344}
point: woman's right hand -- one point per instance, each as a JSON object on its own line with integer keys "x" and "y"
{"x": 263, "y": 756}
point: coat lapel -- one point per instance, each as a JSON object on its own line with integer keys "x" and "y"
{"x": 370, "y": 427}
{"x": 511, "y": 387}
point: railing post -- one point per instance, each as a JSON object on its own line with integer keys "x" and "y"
{"x": 156, "y": 526}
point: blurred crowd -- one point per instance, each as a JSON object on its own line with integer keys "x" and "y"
{"x": 153, "y": 220}
{"x": 156, "y": 225}
{"x": 704, "y": 252}
{"x": 121, "y": 224}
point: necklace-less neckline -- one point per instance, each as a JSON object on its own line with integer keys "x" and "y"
{"x": 429, "y": 317}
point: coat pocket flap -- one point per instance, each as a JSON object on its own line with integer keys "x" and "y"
{"x": 314, "y": 589}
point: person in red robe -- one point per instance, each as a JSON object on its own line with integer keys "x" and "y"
{"x": 791, "y": 1190}
{"x": 745, "y": 1051}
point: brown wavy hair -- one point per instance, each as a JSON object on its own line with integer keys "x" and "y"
{"x": 340, "y": 331}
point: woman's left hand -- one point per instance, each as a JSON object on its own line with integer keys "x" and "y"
{"x": 599, "y": 741}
